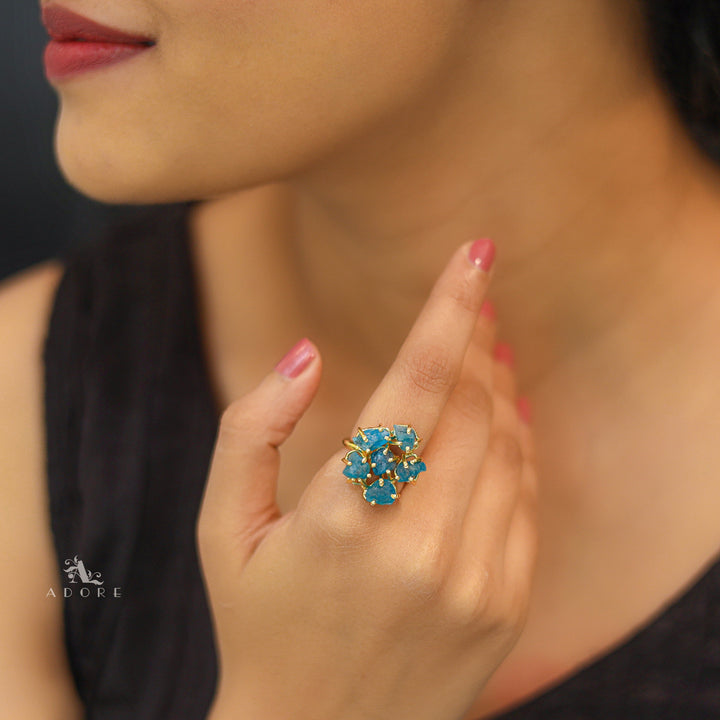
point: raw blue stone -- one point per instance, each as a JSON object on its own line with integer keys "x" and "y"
{"x": 384, "y": 461}
{"x": 381, "y": 494}
{"x": 376, "y": 438}
{"x": 407, "y": 437}
{"x": 409, "y": 470}
{"x": 357, "y": 469}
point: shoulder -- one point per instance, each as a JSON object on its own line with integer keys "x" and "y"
{"x": 25, "y": 305}
{"x": 26, "y": 300}
{"x": 30, "y": 622}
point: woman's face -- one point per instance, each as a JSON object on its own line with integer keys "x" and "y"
{"x": 241, "y": 92}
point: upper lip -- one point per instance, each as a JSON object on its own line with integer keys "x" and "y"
{"x": 63, "y": 24}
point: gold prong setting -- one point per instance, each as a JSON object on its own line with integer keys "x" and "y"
{"x": 379, "y": 458}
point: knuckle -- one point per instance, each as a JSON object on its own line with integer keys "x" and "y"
{"x": 430, "y": 370}
{"x": 422, "y": 571}
{"x": 247, "y": 420}
{"x": 467, "y": 599}
{"x": 518, "y": 604}
{"x": 507, "y": 448}
{"x": 237, "y": 419}
{"x": 337, "y": 530}
{"x": 472, "y": 400}
{"x": 280, "y": 427}
{"x": 503, "y": 612}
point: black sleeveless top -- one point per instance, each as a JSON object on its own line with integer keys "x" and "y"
{"x": 131, "y": 419}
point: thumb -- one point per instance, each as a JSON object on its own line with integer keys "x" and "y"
{"x": 239, "y": 501}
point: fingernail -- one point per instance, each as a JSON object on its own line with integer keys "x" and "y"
{"x": 297, "y": 359}
{"x": 482, "y": 253}
{"x": 523, "y": 405}
{"x": 488, "y": 310}
{"x": 504, "y": 353}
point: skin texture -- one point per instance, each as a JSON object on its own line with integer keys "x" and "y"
{"x": 435, "y": 594}
{"x": 272, "y": 87}
{"x": 388, "y": 133}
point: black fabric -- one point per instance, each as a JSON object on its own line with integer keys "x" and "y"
{"x": 130, "y": 422}
{"x": 130, "y": 426}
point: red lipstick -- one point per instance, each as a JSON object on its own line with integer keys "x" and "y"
{"x": 78, "y": 43}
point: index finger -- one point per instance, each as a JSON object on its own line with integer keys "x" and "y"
{"x": 418, "y": 384}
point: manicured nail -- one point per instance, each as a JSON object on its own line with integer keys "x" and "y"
{"x": 482, "y": 253}
{"x": 297, "y": 359}
{"x": 523, "y": 406}
{"x": 488, "y": 310}
{"x": 504, "y": 353}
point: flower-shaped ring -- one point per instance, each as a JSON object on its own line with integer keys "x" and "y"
{"x": 378, "y": 458}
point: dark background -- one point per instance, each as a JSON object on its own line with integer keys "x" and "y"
{"x": 41, "y": 215}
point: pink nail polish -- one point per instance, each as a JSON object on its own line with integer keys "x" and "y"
{"x": 504, "y": 353}
{"x": 482, "y": 253}
{"x": 297, "y": 359}
{"x": 524, "y": 409}
{"x": 488, "y": 310}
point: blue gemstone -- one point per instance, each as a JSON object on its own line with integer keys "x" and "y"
{"x": 406, "y": 436}
{"x": 375, "y": 438}
{"x": 384, "y": 461}
{"x": 409, "y": 470}
{"x": 357, "y": 469}
{"x": 381, "y": 494}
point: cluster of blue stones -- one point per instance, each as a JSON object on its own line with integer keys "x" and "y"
{"x": 379, "y": 458}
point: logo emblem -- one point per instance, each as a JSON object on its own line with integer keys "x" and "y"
{"x": 78, "y": 574}
{"x": 79, "y": 570}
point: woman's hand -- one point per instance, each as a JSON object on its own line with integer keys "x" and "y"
{"x": 341, "y": 610}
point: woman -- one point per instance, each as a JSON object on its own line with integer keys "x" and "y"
{"x": 334, "y": 163}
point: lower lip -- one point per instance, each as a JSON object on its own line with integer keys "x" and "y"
{"x": 64, "y": 58}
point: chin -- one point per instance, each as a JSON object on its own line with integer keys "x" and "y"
{"x": 116, "y": 172}
{"x": 119, "y": 178}
{"x": 106, "y": 169}
{"x": 126, "y": 185}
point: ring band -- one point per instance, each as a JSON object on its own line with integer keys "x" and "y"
{"x": 378, "y": 458}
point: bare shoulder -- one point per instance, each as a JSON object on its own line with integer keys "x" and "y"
{"x": 36, "y": 681}
{"x": 25, "y": 302}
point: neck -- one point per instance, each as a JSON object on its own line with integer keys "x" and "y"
{"x": 562, "y": 147}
